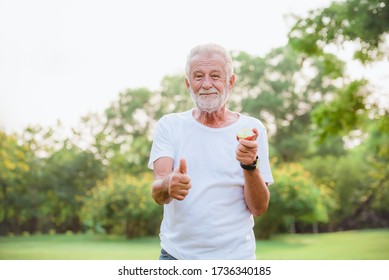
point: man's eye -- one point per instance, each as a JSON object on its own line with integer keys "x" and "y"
{"x": 198, "y": 77}
{"x": 215, "y": 77}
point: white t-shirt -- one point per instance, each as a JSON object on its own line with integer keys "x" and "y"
{"x": 213, "y": 221}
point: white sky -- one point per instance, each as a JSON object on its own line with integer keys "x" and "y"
{"x": 65, "y": 59}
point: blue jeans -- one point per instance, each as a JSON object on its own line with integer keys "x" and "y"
{"x": 166, "y": 256}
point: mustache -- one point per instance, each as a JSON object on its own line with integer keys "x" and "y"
{"x": 208, "y": 91}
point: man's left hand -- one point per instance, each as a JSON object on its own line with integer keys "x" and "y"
{"x": 246, "y": 152}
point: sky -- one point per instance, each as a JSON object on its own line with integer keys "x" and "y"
{"x": 61, "y": 60}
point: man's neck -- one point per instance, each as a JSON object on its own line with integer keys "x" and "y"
{"x": 221, "y": 118}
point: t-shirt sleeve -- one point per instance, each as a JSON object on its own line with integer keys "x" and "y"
{"x": 263, "y": 156}
{"x": 162, "y": 142}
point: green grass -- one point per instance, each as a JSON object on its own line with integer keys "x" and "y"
{"x": 354, "y": 245}
{"x": 77, "y": 247}
{"x": 347, "y": 245}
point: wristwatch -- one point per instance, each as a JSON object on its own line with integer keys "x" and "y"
{"x": 252, "y": 166}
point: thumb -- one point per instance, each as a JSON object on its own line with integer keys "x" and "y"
{"x": 256, "y": 134}
{"x": 182, "y": 167}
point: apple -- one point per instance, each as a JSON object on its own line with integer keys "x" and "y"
{"x": 245, "y": 133}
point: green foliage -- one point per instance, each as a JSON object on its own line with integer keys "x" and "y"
{"x": 359, "y": 178}
{"x": 248, "y": 69}
{"x": 378, "y": 142}
{"x": 123, "y": 141}
{"x": 365, "y": 22}
{"x": 122, "y": 204}
{"x": 14, "y": 164}
{"x": 377, "y": 156}
{"x": 346, "y": 112}
{"x": 295, "y": 197}
{"x": 40, "y": 191}
{"x": 339, "y": 174}
{"x": 282, "y": 89}
{"x": 68, "y": 175}
{"x": 173, "y": 97}
{"x": 360, "y": 197}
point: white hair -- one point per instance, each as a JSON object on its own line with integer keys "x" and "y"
{"x": 210, "y": 49}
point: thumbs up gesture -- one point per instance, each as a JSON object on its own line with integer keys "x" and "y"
{"x": 179, "y": 183}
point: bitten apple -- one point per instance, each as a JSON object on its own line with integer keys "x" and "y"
{"x": 245, "y": 133}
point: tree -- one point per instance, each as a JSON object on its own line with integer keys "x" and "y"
{"x": 120, "y": 138}
{"x": 295, "y": 198}
{"x": 365, "y": 25}
{"x": 13, "y": 168}
{"x": 42, "y": 181}
{"x": 282, "y": 89}
{"x": 348, "y": 111}
{"x": 376, "y": 153}
{"x": 69, "y": 174}
{"x": 122, "y": 204}
{"x": 173, "y": 97}
{"x": 363, "y": 22}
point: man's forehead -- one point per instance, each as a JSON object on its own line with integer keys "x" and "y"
{"x": 200, "y": 60}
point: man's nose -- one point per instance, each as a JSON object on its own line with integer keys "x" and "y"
{"x": 207, "y": 83}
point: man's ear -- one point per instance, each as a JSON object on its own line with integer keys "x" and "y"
{"x": 232, "y": 82}
{"x": 187, "y": 84}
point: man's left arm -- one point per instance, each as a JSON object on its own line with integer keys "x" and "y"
{"x": 256, "y": 192}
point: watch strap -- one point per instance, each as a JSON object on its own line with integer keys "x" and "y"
{"x": 252, "y": 166}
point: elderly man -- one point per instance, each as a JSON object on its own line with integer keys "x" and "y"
{"x": 210, "y": 181}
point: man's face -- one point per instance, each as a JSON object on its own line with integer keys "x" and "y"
{"x": 208, "y": 83}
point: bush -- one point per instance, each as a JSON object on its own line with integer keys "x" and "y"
{"x": 122, "y": 204}
{"x": 295, "y": 197}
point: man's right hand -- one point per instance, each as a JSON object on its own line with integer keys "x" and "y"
{"x": 179, "y": 183}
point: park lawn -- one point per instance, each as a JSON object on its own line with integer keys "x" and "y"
{"x": 346, "y": 245}
{"x": 354, "y": 245}
{"x": 78, "y": 247}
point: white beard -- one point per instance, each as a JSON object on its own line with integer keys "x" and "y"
{"x": 211, "y": 102}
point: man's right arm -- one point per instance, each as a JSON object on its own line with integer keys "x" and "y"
{"x": 169, "y": 184}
